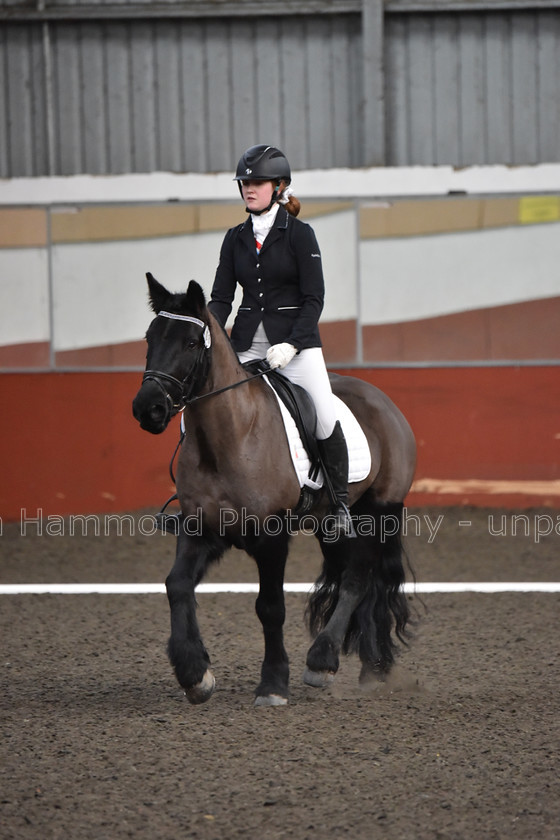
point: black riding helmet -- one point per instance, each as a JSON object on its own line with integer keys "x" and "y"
{"x": 263, "y": 163}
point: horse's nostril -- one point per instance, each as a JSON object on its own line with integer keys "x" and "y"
{"x": 157, "y": 412}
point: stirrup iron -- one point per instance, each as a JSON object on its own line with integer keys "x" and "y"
{"x": 169, "y": 523}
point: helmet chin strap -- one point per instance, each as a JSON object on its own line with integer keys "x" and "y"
{"x": 273, "y": 200}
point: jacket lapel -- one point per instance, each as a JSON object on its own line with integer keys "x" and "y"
{"x": 246, "y": 235}
{"x": 277, "y": 230}
{"x": 280, "y": 225}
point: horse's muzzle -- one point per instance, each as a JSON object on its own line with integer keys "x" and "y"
{"x": 151, "y": 409}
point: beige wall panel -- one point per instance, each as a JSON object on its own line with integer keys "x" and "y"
{"x": 89, "y": 224}
{"x": 499, "y": 212}
{"x": 313, "y": 209}
{"x": 417, "y": 218}
{"x": 23, "y": 228}
{"x": 223, "y": 216}
{"x": 425, "y": 217}
{"x": 213, "y": 217}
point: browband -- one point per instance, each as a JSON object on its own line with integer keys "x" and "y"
{"x": 197, "y": 321}
{"x": 182, "y": 318}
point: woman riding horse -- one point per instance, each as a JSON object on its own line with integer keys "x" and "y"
{"x": 234, "y": 472}
{"x": 275, "y": 258}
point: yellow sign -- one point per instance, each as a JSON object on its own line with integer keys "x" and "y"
{"x": 539, "y": 208}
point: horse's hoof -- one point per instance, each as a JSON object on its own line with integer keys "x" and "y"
{"x": 318, "y": 679}
{"x": 372, "y": 676}
{"x": 201, "y": 692}
{"x": 271, "y": 700}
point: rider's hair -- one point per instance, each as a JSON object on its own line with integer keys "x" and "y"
{"x": 291, "y": 203}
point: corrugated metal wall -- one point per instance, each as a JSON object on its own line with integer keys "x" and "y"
{"x": 113, "y": 96}
{"x": 187, "y": 95}
{"x": 473, "y": 88}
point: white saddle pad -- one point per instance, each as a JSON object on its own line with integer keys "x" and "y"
{"x": 359, "y": 456}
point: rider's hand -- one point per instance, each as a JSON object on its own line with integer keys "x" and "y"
{"x": 279, "y": 355}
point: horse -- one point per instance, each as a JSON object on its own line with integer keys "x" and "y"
{"x": 234, "y": 474}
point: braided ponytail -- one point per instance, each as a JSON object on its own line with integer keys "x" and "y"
{"x": 288, "y": 200}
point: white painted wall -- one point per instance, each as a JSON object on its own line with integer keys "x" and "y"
{"x": 405, "y": 279}
{"x": 330, "y": 183}
{"x": 337, "y": 235}
{"x": 100, "y": 291}
{"x": 24, "y": 295}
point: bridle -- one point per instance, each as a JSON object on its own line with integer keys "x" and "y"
{"x": 187, "y": 387}
{"x": 196, "y": 375}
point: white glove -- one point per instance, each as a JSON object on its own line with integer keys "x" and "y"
{"x": 279, "y": 355}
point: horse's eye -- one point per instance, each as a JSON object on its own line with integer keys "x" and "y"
{"x": 191, "y": 344}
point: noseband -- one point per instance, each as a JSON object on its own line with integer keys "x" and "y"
{"x": 196, "y": 376}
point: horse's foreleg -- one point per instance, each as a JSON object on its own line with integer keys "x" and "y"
{"x": 186, "y": 650}
{"x": 273, "y": 687}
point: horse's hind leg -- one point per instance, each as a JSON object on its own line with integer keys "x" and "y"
{"x": 186, "y": 650}
{"x": 359, "y": 599}
{"x": 323, "y": 656}
{"x": 270, "y": 557}
{"x": 331, "y": 607}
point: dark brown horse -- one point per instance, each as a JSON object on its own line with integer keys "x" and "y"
{"x": 235, "y": 475}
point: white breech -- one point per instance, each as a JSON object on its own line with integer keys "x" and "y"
{"x": 307, "y": 369}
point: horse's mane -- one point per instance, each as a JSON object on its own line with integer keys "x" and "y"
{"x": 222, "y": 330}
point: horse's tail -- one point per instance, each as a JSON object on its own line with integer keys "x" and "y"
{"x": 372, "y": 564}
{"x": 384, "y": 606}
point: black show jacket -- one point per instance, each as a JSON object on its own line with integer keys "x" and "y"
{"x": 283, "y": 285}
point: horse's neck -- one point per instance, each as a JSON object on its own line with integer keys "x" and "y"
{"x": 225, "y": 368}
{"x": 235, "y": 404}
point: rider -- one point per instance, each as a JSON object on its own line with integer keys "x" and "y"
{"x": 276, "y": 259}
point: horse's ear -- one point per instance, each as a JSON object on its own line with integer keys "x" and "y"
{"x": 158, "y": 293}
{"x": 195, "y": 300}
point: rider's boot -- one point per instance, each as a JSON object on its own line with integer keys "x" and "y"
{"x": 334, "y": 453}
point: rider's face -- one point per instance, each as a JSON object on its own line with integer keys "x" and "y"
{"x": 257, "y": 195}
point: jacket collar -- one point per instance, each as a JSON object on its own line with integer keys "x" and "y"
{"x": 280, "y": 224}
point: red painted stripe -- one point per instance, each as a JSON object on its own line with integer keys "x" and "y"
{"x": 69, "y": 443}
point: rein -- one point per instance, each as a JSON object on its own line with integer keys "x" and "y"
{"x": 184, "y": 401}
{"x": 229, "y": 387}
